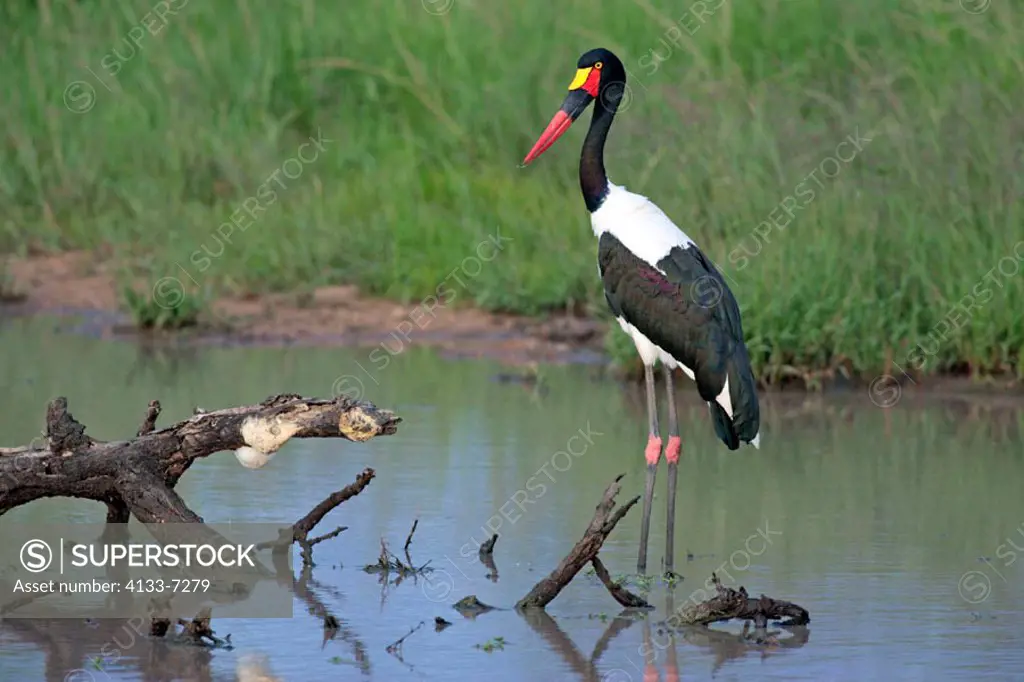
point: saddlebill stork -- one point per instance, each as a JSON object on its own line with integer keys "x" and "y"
{"x": 666, "y": 294}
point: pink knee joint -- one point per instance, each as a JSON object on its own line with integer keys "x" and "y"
{"x": 653, "y": 452}
{"x": 672, "y": 449}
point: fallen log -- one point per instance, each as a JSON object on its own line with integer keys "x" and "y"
{"x": 722, "y": 645}
{"x": 138, "y": 476}
{"x": 729, "y": 603}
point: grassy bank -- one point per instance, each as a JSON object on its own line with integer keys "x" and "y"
{"x": 141, "y": 132}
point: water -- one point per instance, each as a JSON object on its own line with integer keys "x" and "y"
{"x": 872, "y": 517}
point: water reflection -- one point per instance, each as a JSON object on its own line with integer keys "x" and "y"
{"x": 255, "y": 667}
{"x": 157, "y": 363}
{"x": 726, "y": 646}
{"x": 585, "y": 667}
{"x": 650, "y": 653}
{"x": 91, "y": 650}
{"x": 308, "y": 591}
{"x": 881, "y": 515}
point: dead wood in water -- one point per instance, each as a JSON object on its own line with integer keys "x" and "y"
{"x": 487, "y": 548}
{"x": 408, "y": 539}
{"x": 584, "y": 552}
{"x": 395, "y": 648}
{"x": 606, "y": 516}
{"x": 729, "y": 603}
{"x": 388, "y": 563}
{"x": 726, "y": 604}
{"x": 300, "y": 530}
{"x": 68, "y": 643}
{"x": 198, "y": 631}
{"x": 149, "y": 423}
{"x": 486, "y": 556}
{"x": 136, "y": 477}
{"x": 139, "y": 475}
{"x": 618, "y": 592}
{"x": 333, "y": 626}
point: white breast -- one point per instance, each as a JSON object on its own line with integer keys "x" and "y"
{"x": 638, "y": 223}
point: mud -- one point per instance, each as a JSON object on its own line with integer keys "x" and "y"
{"x": 76, "y": 283}
{"x": 83, "y": 285}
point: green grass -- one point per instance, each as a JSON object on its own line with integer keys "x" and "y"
{"x": 9, "y": 292}
{"x": 428, "y": 116}
{"x": 149, "y": 312}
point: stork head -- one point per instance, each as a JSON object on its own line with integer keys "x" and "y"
{"x": 599, "y": 75}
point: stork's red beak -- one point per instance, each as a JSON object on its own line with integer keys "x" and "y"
{"x": 582, "y": 92}
{"x": 559, "y": 124}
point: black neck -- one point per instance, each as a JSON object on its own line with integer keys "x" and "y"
{"x": 593, "y": 181}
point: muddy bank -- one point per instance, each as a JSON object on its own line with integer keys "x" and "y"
{"x": 77, "y": 284}
{"x": 83, "y": 287}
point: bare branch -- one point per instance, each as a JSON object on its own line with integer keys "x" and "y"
{"x": 584, "y": 552}
{"x": 139, "y": 474}
{"x": 618, "y": 592}
{"x": 149, "y": 423}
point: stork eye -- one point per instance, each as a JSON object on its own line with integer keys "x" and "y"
{"x": 598, "y": 65}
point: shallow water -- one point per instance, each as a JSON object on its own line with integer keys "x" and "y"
{"x": 892, "y": 527}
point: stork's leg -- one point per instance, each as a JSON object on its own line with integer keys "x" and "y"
{"x": 652, "y": 454}
{"x": 672, "y": 455}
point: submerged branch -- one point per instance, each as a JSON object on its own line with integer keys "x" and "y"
{"x": 729, "y": 603}
{"x": 606, "y": 516}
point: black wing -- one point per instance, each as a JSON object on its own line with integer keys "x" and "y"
{"x": 685, "y": 307}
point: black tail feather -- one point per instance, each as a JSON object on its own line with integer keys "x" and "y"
{"x": 723, "y": 426}
{"x": 746, "y": 420}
